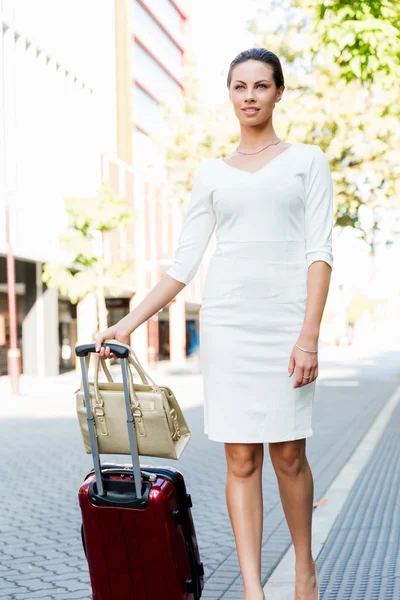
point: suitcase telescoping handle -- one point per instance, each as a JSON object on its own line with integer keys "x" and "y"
{"x": 122, "y": 353}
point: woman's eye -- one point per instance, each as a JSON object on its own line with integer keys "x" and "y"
{"x": 262, "y": 85}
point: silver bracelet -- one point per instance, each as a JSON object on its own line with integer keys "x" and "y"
{"x": 304, "y": 350}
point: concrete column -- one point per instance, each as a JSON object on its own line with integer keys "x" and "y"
{"x": 40, "y": 325}
{"x": 87, "y": 324}
{"x": 139, "y": 339}
{"x": 123, "y": 74}
{"x": 49, "y": 355}
{"x": 177, "y": 330}
{"x": 30, "y": 358}
{"x": 153, "y": 334}
{"x": 40, "y": 337}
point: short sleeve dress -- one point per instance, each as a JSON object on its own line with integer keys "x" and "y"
{"x": 270, "y": 225}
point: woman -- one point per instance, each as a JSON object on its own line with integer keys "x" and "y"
{"x": 264, "y": 296}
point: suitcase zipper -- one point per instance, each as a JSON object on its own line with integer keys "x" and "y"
{"x": 147, "y": 476}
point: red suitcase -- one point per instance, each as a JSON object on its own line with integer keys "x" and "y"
{"x": 140, "y": 543}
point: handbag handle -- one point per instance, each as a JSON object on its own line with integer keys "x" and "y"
{"x": 134, "y": 361}
{"x": 130, "y": 361}
{"x": 106, "y": 371}
{"x": 104, "y": 366}
{"x": 99, "y": 404}
{"x": 108, "y": 375}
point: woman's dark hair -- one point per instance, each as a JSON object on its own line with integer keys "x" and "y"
{"x": 265, "y": 56}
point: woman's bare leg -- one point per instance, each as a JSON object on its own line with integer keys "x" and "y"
{"x": 296, "y": 488}
{"x": 244, "y": 501}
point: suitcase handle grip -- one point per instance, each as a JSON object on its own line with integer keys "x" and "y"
{"x": 118, "y": 350}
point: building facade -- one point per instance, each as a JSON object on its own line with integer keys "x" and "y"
{"x": 72, "y": 115}
{"x": 52, "y": 99}
{"x": 152, "y": 38}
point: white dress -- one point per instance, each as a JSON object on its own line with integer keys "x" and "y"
{"x": 270, "y": 226}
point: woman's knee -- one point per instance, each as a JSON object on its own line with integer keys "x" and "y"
{"x": 288, "y": 458}
{"x": 244, "y": 459}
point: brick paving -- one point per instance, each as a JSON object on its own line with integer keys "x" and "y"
{"x": 360, "y": 559}
{"x": 43, "y": 464}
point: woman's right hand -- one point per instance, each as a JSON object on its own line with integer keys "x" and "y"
{"x": 112, "y": 333}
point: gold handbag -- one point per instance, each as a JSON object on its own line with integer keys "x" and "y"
{"x": 160, "y": 427}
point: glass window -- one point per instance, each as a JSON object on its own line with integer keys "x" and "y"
{"x": 168, "y": 16}
{"x": 152, "y": 76}
{"x": 156, "y": 40}
{"x": 147, "y": 112}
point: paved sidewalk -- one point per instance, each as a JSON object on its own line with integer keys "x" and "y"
{"x": 43, "y": 464}
{"x": 361, "y": 556}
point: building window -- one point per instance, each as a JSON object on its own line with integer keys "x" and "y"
{"x": 148, "y": 113}
{"x": 168, "y": 16}
{"x": 153, "y": 77}
{"x": 156, "y": 40}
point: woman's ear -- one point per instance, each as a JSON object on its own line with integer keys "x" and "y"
{"x": 279, "y": 93}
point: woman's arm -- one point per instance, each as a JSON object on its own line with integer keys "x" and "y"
{"x": 162, "y": 293}
{"x": 318, "y": 217}
{"x": 197, "y": 228}
{"x": 319, "y": 276}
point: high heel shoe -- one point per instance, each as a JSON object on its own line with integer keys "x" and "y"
{"x": 316, "y": 578}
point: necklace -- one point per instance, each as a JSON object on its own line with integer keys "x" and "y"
{"x": 273, "y": 144}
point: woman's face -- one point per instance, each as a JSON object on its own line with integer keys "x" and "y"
{"x": 253, "y": 85}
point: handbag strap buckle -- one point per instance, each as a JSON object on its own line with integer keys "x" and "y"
{"x": 177, "y": 432}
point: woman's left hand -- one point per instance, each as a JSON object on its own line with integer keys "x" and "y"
{"x": 306, "y": 364}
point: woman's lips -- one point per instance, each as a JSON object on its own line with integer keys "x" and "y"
{"x": 250, "y": 111}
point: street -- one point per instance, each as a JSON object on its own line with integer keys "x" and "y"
{"x": 43, "y": 464}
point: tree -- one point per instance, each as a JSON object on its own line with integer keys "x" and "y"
{"x": 88, "y": 220}
{"x": 353, "y": 119}
{"x": 196, "y": 132}
{"x": 328, "y": 101}
{"x": 362, "y": 36}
